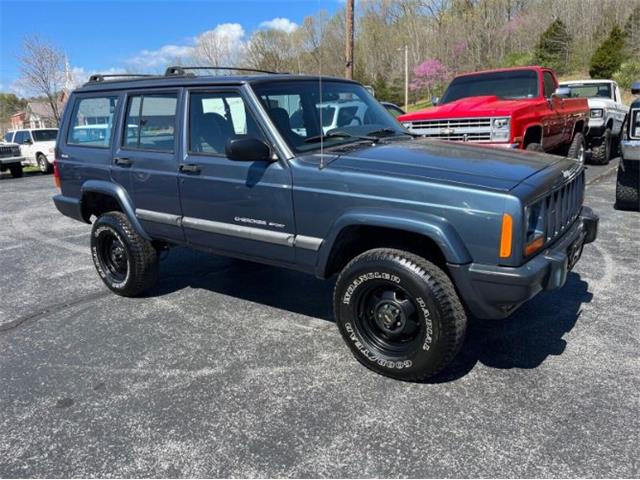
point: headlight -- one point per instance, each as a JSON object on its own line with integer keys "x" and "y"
{"x": 597, "y": 112}
{"x": 534, "y": 217}
{"x": 500, "y": 129}
{"x": 406, "y": 124}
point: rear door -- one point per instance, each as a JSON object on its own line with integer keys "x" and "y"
{"x": 243, "y": 208}
{"x": 145, "y": 160}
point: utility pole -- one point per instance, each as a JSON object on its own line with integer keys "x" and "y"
{"x": 349, "y": 40}
{"x": 406, "y": 78}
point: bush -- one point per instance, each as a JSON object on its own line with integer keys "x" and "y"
{"x": 628, "y": 73}
{"x": 608, "y": 57}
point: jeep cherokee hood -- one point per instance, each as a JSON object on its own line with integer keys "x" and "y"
{"x": 474, "y": 165}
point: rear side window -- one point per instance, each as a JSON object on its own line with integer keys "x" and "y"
{"x": 92, "y": 122}
{"x": 150, "y": 122}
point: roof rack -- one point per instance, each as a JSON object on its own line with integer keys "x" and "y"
{"x": 177, "y": 70}
{"x": 98, "y": 77}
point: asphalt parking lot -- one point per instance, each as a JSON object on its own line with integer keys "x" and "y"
{"x": 235, "y": 369}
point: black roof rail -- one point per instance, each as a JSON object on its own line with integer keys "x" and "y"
{"x": 99, "y": 77}
{"x": 178, "y": 70}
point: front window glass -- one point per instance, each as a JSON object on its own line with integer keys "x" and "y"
{"x": 216, "y": 117}
{"x": 44, "y": 135}
{"x": 309, "y": 114}
{"x": 589, "y": 90}
{"x": 505, "y": 85}
{"x": 84, "y": 130}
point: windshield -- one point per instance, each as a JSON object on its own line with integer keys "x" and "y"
{"x": 345, "y": 113}
{"x": 506, "y": 85}
{"x": 44, "y": 135}
{"x": 588, "y": 90}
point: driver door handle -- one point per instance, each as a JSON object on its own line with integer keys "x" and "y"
{"x": 189, "y": 168}
{"x": 122, "y": 161}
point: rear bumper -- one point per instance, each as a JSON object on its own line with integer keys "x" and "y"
{"x": 494, "y": 292}
{"x": 630, "y": 149}
{"x": 70, "y": 207}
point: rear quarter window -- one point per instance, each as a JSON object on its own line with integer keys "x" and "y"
{"x": 92, "y": 122}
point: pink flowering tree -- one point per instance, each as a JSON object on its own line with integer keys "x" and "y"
{"x": 429, "y": 77}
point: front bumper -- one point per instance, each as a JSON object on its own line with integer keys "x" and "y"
{"x": 494, "y": 292}
{"x": 11, "y": 160}
{"x": 630, "y": 149}
{"x": 596, "y": 127}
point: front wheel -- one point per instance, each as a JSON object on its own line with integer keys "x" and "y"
{"x": 16, "y": 170}
{"x": 601, "y": 153}
{"x": 126, "y": 262}
{"x": 399, "y": 314}
{"x": 577, "y": 148}
{"x": 627, "y": 187}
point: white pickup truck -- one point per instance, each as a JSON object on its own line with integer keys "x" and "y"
{"x": 607, "y": 113}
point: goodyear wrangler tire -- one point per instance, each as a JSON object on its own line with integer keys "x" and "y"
{"x": 628, "y": 187}
{"x": 126, "y": 262}
{"x": 399, "y": 314}
{"x": 601, "y": 153}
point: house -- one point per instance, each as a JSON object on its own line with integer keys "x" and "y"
{"x": 38, "y": 114}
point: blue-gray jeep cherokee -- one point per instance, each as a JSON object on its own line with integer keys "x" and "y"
{"x": 313, "y": 174}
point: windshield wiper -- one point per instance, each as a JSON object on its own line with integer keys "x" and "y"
{"x": 339, "y": 134}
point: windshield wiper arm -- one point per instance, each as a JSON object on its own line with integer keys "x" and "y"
{"x": 339, "y": 134}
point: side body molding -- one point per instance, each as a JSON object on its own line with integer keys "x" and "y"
{"x": 122, "y": 197}
{"x": 434, "y": 227}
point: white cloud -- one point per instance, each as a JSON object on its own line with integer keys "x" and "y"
{"x": 279, "y": 23}
{"x": 160, "y": 58}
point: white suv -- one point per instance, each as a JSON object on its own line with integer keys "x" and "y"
{"x": 37, "y": 146}
{"x": 607, "y": 113}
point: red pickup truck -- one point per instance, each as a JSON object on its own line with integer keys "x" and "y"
{"x": 516, "y": 107}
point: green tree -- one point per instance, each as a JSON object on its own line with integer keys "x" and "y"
{"x": 10, "y": 104}
{"x": 608, "y": 57}
{"x": 554, "y": 47}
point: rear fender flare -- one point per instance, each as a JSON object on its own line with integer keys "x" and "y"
{"x": 121, "y": 196}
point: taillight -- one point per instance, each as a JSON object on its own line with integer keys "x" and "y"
{"x": 56, "y": 174}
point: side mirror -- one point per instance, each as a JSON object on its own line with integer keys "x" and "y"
{"x": 635, "y": 88}
{"x": 562, "y": 92}
{"x": 435, "y": 100}
{"x": 245, "y": 148}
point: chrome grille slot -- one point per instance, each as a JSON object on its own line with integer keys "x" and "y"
{"x": 562, "y": 207}
{"x": 7, "y": 152}
{"x": 457, "y": 129}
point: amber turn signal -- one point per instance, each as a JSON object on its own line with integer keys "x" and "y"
{"x": 506, "y": 236}
{"x": 533, "y": 246}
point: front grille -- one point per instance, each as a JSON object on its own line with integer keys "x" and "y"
{"x": 458, "y": 129}
{"x": 563, "y": 206}
{"x": 9, "y": 151}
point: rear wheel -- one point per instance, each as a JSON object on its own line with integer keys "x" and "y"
{"x": 601, "y": 153}
{"x": 16, "y": 170}
{"x": 126, "y": 262}
{"x": 627, "y": 187}
{"x": 577, "y": 148}
{"x": 43, "y": 164}
{"x": 399, "y": 314}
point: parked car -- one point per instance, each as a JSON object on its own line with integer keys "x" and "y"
{"x": 515, "y": 108}
{"x": 628, "y": 180}
{"x": 37, "y": 146}
{"x": 393, "y": 109}
{"x": 419, "y": 232}
{"x": 11, "y": 159}
{"x": 606, "y": 115}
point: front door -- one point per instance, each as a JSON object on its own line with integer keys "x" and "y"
{"x": 241, "y": 208}
{"x": 145, "y": 160}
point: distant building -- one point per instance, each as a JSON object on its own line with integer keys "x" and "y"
{"x": 38, "y": 114}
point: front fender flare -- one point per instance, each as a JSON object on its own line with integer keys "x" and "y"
{"x": 121, "y": 196}
{"x": 434, "y": 227}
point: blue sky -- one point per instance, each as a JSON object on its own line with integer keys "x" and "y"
{"x": 139, "y": 35}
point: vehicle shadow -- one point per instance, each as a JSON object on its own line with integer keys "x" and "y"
{"x": 524, "y": 340}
